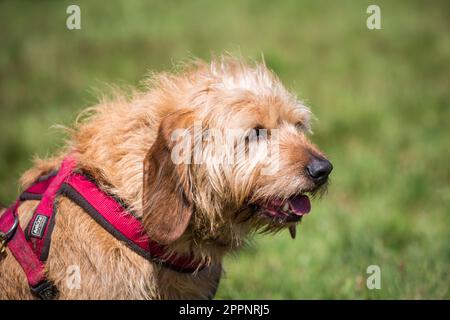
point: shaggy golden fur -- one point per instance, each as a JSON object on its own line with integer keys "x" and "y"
{"x": 125, "y": 144}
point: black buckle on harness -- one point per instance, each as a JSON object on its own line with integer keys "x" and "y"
{"x": 46, "y": 290}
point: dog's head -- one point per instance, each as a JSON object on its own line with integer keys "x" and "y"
{"x": 233, "y": 158}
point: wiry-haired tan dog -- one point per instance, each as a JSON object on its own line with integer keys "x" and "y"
{"x": 207, "y": 206}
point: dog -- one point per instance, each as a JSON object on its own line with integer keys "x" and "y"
{"x": 204, "y": 204}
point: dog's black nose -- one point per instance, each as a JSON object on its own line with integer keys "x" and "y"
{"x": 319, "y": 169}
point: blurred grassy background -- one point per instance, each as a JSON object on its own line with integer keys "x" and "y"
{"x": 381, "y": 97}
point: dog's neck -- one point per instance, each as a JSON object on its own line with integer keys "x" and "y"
{"x": 213, "y": 245}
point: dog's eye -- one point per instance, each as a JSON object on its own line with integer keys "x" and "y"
{"x": 300, "y": 126}
{"x": 256, "y": 134}
{"x": 260, "y": 132}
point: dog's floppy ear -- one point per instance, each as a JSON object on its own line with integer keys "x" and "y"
{"x": 167, "y": 207}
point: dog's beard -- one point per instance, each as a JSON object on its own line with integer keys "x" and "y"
{"x": 275, "y": 214}
{"x": 230, "y": 229}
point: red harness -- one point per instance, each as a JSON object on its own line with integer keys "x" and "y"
{"x": 31, "y": 248}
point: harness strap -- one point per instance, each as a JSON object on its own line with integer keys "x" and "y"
{"x": 31, "y": 248}
{"x": 110, "y": 214}
{"x": 43, "y": 220}
{"x": 34, "y": 269}
{"x": 31, "y": 265}
{"x": 23, "y": 250}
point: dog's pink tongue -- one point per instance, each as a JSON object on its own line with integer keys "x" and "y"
{"x": 300, "y": 205}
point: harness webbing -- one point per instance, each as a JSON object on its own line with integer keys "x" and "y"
{"x": 31, "y": 248}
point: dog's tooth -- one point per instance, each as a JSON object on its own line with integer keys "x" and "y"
{"x": 293, "y": 231}
{"x": 286, "y": 207}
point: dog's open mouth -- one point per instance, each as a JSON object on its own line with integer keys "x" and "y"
{"x": 290, "y": 210}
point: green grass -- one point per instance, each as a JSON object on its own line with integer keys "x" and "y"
{"x": 381, "y": 97}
